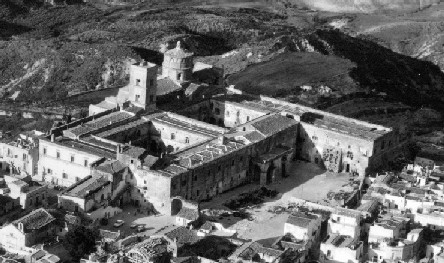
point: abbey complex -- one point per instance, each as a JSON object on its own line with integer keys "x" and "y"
{"x": 128, "y": 151}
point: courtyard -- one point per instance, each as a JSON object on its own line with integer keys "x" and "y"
{"x": 130, "y": 215}
{"x": 305, "y": 181}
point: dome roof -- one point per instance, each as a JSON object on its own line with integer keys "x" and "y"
{"x": 178, "y": 52}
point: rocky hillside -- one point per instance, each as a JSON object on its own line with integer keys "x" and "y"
{"x": 365, "y": 6}
{"x": 50, "y": 53}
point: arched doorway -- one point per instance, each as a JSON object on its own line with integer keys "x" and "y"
{"x": 270, "y": 173}
{"x": 284, "y": 166}
{"x": 176, "y": 205}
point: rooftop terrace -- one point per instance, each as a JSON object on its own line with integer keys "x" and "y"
{"x": 342, "y": 241}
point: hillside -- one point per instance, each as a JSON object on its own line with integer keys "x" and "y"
{"x": 49, "y": 54}
{"x": 365, "y": 6}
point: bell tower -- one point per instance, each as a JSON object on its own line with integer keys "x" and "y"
{"x": 143, "y": 85}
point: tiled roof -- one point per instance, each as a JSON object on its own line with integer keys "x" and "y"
{"x": 133, "y": 151}
{"x": 85, "y": 187}
{"x": 212, "y": 151}
{"x": 327, "y": 121}
{"x": 150, "y": 160}
{"x": 122, "y": 128}
{"x": 35, "y": 220}
{"x": 166, "y": 86}
{"x": 81, "y": 146}
{"x": 111, "y": 167}
{"x": 188, "y": 213}
{"x": 183, "y": 235}
{"x": 178, "y": 52}
{"x": 106, "y": 120}
{"x": 273, "y": 124}
{"x": 254, "y": 136}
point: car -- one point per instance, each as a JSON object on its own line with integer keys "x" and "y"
{"x": 119, "y": 223}
{"x": 133, "y": 225}
{"x": 140, "y": 228}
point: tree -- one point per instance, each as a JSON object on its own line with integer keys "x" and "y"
{"x": 80, "y": 241}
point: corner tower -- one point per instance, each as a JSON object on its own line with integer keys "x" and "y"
{"x": 178, "y": 64}
{"x": 143, "y": 85}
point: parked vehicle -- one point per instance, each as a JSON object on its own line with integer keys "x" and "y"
{"x": 119, "y": 223}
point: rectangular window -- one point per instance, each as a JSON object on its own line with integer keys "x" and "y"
{"x": 58, "y": 155}
{"x": 65, "y": 176}
{"x": 137, "y": 82}
{"x": 72, "y": 158}
{"x": 49, "y": 171}
{"x": 85, "y": 163}
{"x": 45, "y": 151}
{"x": 24, "y": 156}
{"x": 77, "y": 179}
{"x": 187, "y": 140}
{"x": 173, "y": 136}
{"x": 137, "y": 97}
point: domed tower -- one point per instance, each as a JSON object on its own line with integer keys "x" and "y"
{"x": 178, "y": 64}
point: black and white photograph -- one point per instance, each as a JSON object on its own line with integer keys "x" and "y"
{"x": 221, "y": 131}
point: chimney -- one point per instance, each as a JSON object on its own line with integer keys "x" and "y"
{"x": 52, "y": 137}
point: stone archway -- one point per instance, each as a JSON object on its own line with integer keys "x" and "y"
{"x": 176, "y": 205}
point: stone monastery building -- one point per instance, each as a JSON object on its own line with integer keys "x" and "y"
{"x": 209, "y": 148}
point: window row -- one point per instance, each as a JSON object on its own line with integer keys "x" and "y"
{"x": 72, "y": 157}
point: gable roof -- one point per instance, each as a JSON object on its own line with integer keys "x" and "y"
{"x": 183, "y": 235}
{"x": 35, "y": 220}
{"x": 188, "y": 213}
{"x": 273, "y": 124}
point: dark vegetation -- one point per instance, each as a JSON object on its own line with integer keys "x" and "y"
{"x": 80, "y": 241}
{"x": 211, "y": 247}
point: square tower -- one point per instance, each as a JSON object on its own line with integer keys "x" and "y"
{"x": 143, "y": 85}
